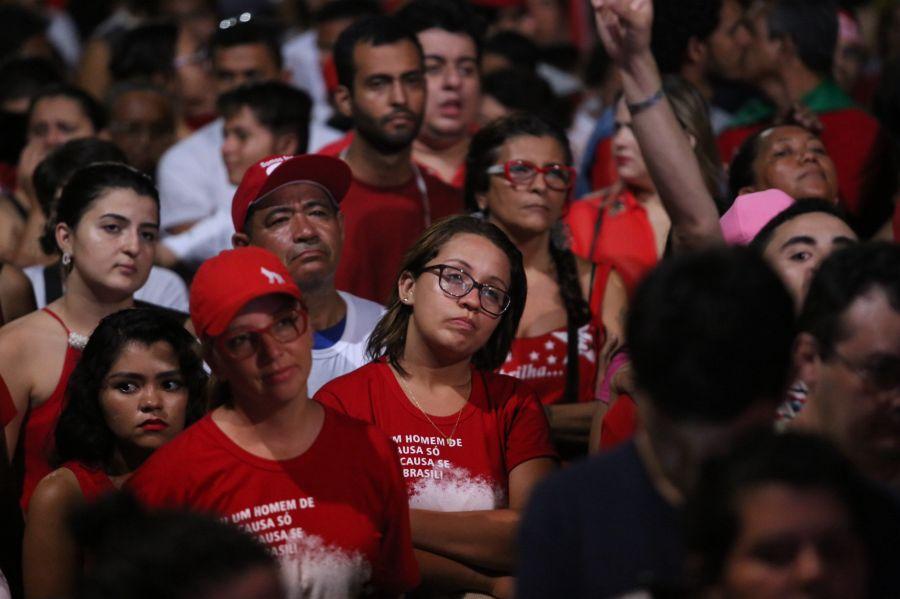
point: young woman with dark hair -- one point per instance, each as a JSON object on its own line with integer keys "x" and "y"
{"x": 139, "y": 383}
{"x": 472, "y": 443}
{"x": 518, "y": 177}
{"x": 106, "y": 226}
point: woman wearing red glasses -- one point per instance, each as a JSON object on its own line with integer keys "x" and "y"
{"x": 518, "y": 176}
{"x": 322, "y": 491}
{"x": 472, "y": 443}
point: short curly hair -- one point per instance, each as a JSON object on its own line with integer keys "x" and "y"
{"x": 82, "y": 433}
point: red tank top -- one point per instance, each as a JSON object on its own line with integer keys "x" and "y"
{"x": 541, "y": 362}
{"x": 94, "y": 482}
{"x": 40, "y": 422}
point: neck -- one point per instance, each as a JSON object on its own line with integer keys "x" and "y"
{"x": 693, "y": 74}
{"x": 790, "y": 86}
{"x": 664, "y": 474}
{"x": 325, "y": 307}
{"x": 83, "y": 309}
{"x": 126, "y": 460}
{"x": 454, "y": 147}
{"x": 375, "y": 168}
{"x": 535, "y": 251}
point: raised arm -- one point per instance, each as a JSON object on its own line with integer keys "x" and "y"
{"x": 624, "y": 27}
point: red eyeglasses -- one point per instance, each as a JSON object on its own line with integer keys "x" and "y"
{"x": 558, "y": 177}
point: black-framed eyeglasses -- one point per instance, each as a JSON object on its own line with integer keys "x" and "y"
{"x": 558, "y": 177}
{"x": 244, "y": 343}
{"x": 878, "y": 378}
{"x": 458, "y": 283}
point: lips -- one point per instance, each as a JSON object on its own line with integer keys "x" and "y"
{"x": 463, "y": 324}
{"x": 129, "y": 269}
{"x": 279, "y": 375}
{"x": 450, "y": 108}
{"x": 154, "y": 425}
{"x": 308, "y": 255}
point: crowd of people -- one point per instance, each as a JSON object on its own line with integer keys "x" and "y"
{"x": 444, "y": 298}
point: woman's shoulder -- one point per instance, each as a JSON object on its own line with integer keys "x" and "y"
{"x": 503, "y": 390}
{"x": 58, "y": 490}
{"x": 32, "y": 332}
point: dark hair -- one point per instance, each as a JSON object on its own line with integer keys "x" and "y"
{"x": 812, "y": 26}
{"x": 145, "y": 52}
{"x": 17, "y": 25}
{"x": 484, "y": 149}
{"x": 52, "y": 171}
{"x": 345, "y": 9}
{"x": 523, "y": 91}
{"x": 453, "y": 16}
{"x": 192, "y": 553}
{"x": 710, "y": 334}
{"x": 841, "y": 279}
{"x": 256, "y": 31}
{"x": 389, "y": 337}
{"x": 82, "y": 432}
{"x": 378, "y": 30}
{"x": 741, "y": 172}
{"x": 798, "y": 208}
{"x": 91, "y": 108}
{"x": 280, "y": 108}
{"x": 675, "y": 23}
{"x": 520, "y": 51}
{"x": 799, "y": 461}
{"x": 88, "y": 183}
{"x": 25, "y": 77}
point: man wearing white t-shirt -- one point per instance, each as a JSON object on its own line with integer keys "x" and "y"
{"x": 290, "y": 206}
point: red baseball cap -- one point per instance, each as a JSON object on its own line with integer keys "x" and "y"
{"x": 264, "y": 177}
{"x": 226, "y": 283}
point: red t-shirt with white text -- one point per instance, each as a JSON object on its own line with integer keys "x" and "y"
{"x": 336, "y": 515}
{"x": 500, "y": 427}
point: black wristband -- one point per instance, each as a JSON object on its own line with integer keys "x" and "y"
{"x": 638, "y": 107}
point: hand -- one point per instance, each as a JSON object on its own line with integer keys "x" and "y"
{"x": 622, "y": 382}
{"x": 503, "y": 587}
{"x": 624, "y": 27}
{"x": 803, "y": 116}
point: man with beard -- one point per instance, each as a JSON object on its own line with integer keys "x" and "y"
{"x": 390, "y": 200}
{"x": 289, "y": 206}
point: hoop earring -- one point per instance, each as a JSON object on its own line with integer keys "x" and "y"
{"x": 66, "y": 259}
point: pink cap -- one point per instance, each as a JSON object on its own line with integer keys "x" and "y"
{"x": 750, "y": 213}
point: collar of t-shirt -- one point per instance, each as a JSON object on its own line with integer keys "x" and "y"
{"x": 327, "y": 337}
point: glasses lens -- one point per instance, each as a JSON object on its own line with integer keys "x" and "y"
{"x": 494, "y": 301}
{"x": 521, "y": 172}
{"x": 455, "y": 282}
{"x": 287, "y": 328}
{"x": 558, "y": 177}
{"x": 242, "y": 345}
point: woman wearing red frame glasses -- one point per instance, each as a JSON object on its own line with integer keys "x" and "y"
{"x": 519, "y": 177}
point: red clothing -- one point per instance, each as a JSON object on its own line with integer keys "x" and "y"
{"x": 36, "y": 439}
{"x": 500, "y": 427}
{"x": 380, "y": 224}
{"x": 94, "y": 482}
{"x": 848, "y": 135}
{"x": 541, "y": 361}
{"x": 623, "y": 237}
{"x": 335, "y": 148}
{"x": 7, "y": 407}
{"x": 337, "y": 512}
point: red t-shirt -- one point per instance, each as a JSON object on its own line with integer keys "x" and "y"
{"x": 8, "y": 409}
{"x": 624, "y": 238}
{"x": 541, "y": 361}
{"x": 94, "y": 482}
{"x": 336, "y": 513}
{"x": 500, "y": 427}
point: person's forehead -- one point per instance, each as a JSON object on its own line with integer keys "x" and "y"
{"x": 297, "y": 192}
{"x": 391, "y": 59}
{"x": 244, "y": 115}
{"x": 820, "y": 226}
{"x": 246, "y": 55}
{"x": 57, "y": 106}
{"x": 451, "y": 45}
{"x": 786, "y": 133}
{"x": 870, "y": 317}
{"x": 140, "y": 101}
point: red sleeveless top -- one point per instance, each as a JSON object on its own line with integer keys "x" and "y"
{"x": 36, "y": 441}
{"x": 94, "y": 482}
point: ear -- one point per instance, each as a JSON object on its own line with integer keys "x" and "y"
{"x": 691, "y": 140}
{"x": 746, "y": 189}
{"x": 481, "y": 200}
{"x": 787, "y": 49}
{"x": 343, "y": 99}
{"x": 806, "y": 360}
{"x": 406, "y": 287}
{"x": 240, "y": 240}
{"x": 287, "y": 144}
{"x": 64, "y": 237}
{"x": 697, "y": 51}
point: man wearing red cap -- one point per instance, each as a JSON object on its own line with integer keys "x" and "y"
{"x": 289, "y": 205}
{"x": 322, "y": 491}
{"x": 391, "y": 200}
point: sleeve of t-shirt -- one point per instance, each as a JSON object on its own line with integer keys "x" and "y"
{"x": 182, "y": 190}
{"x": 527, "y": 429}
{"x": 444, "y": 199}
{"x": 397, "y": 570}
{"x": 209, "y": 236}
{"x": 7, "y": 406}
{"x": 546, "y": 543}
{"x": 349, "y": 395}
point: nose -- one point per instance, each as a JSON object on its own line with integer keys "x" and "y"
{"x": 131, "y": 242}
{"x": 269, "y": 347}
{"x": 150, "y": 400}
{"x": 398, "y": 93}
{"x": 808, "y": 567}
{"x": 55, "y": 138}
{"x": 301, "y": 228}
{"x": 452, "y": 78}
{"x": 470, "y": 301}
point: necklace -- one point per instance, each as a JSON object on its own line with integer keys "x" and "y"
{"x": 412, "y": 397}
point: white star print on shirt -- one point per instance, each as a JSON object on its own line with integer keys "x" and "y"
{"x": 534, "y": 356}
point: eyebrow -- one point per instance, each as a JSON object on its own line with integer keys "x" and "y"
{"x": 120, "y": 218}
{"x": 138, "y": 375}
{"x": 797, "y": 240}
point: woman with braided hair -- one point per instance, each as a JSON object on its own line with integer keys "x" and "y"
{"x": 518, "y": 176}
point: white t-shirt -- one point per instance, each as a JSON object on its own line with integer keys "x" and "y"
{"x": 163, "y": 288}
{"x": 349, "y": 352}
